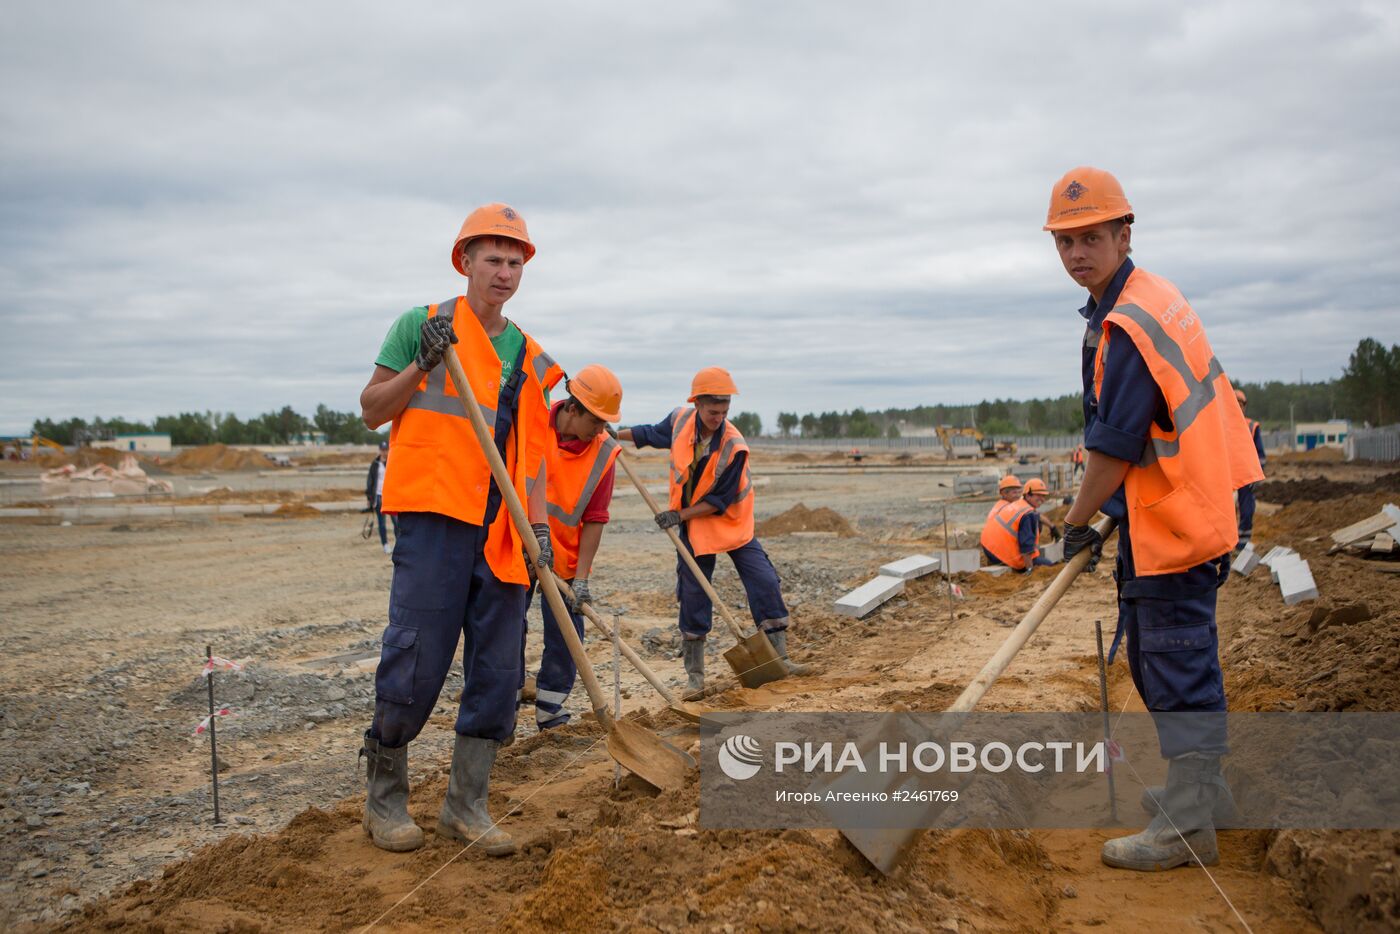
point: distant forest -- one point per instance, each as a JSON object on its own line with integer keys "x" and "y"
{"x": 1368, "y": 392}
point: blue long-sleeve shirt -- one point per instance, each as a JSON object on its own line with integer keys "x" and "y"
{"x": 1118, "y": 422}
{"x": 726, "y": 487}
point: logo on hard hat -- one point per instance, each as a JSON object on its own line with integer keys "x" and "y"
{"x": 509, "y": 214}
{"x": 740, "y": 757}
{"x": 1075, "y": 191}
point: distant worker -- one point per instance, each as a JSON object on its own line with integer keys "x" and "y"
{"x": 712, "y": 504}
{"x": 374, "y": 492}
{"x": 1245, "y": 498}
{"x": 581, "y": 467}
{"x": 1011, "y": 535}
{"x": 1076, "y": 461}
{"x": 1167, "y": 448}
{"x": 458, "y": 562}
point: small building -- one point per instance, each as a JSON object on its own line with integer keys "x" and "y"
{"x": 1328, "y": 434}
{"x": 313, "y": 438}
{"x": 150, "y": 441}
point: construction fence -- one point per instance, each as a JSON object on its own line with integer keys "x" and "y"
{"x": 1374, "y": 444}
{"x": 962, "y": 446}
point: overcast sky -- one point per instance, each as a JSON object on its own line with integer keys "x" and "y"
{"x": 224, "y": 206}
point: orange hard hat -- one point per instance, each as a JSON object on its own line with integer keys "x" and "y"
{"x": 492, "y": 220}
{"x": 1086, "y": 196}
{"x": 1239, "y": 395}
{"x": 1008, "y": 482}
{"x": 1036, "y": 486}
{"x": 712, "y": 381}
{"x": 599, "y": 390}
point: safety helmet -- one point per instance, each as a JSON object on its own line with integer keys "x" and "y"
{"x": 492, "y": 220}
{"x": 1009, "y": 482}
{"x": 1036, "y": 486}
{"x": 599, "y": 390}
{"x": 1086, "y": 196}
{"x": 712, "y": 381}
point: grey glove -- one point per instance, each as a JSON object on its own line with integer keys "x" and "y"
{"x": 668, "y": 519}
{"x": 1054, "y": 532}
{"x": 581, "y": 594}
{"x": 1030, "y": 566}
{"x": 541, "y": 530}
{"x": 1079, "y": 537}
{"x": 434, "y": 339}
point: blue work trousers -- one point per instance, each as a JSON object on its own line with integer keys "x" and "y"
{"x": 1245, "y": 501}
{"x": 756, "y": 572}
{"x": 379, "y": 514}
{"x": 442, "y": 590}
{"x": 555, "y": 679}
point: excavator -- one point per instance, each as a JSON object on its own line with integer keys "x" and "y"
{"x": 989, "y": 446}
{"x": 37, "y": 441}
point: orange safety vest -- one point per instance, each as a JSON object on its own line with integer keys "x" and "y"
{"x": 721, "y": 531}
{"x": 573, "y": 479}
{"x": 437, "y": 464}
{"x": 999, "y": 535}
{"x": 1181, "y": 494}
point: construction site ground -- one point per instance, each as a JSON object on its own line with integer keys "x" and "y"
{"x": 106, "y": 817}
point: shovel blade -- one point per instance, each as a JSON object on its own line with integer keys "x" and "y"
{"x": 755, "y": 661}
{"x": 689, "y": 712}
{"x": 884, "y": 847}
{"x": 648, "y": 756}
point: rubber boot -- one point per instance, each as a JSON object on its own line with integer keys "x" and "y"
{"x": 464, "y": 816}
{"x": 1193, "y": 786}
{"x": 779, "y": 639}
{"x": 386, "y": 798}
{"x": 693, "y": 653}
{"x": 1222, "y": 814}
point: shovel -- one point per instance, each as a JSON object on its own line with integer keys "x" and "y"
{"x": 885, "y": 847}
{"x": 753, "y": 657}
{"x": 644, "y": 754}
{"x": 687, "y": 710}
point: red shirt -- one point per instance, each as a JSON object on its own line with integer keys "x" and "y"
{"x": 597, "y": 510}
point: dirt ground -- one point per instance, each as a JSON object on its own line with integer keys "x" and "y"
{"x": 106, "y": 817}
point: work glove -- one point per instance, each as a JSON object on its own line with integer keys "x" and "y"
{"x": 1054, "y": 532}
{"x": 581, "y": 594}
{"x": 668, "y": 519}
{"x": 1030, "y": 566}
{"x": 434, "y": 339}
{"x": 541, "y": 530}
{"x": 1079, "y": 537}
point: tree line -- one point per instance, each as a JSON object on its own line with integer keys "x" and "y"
{"x": 282, "y": 426}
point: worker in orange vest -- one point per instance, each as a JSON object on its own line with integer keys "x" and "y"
{"x": 581, "y": 467}
{"x": 1167, "y": 447}
{"x": 712, "y": 504}
{"x": 459, "y": 566}
{"x": 1245, "y": 498}
{"x": 1076, "y": 460}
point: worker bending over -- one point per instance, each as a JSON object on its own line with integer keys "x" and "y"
{"x": 582, "y": 460}
{"x": 1245, "y": 498}
{"x": 1011, "y": 535}
{"x": 459, "y": 568}
{"x": 712, "y": 504}
{"x": 1167, "y": 448}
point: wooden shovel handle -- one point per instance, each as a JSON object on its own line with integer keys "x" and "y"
{"x": 684, "y": 552}
{"x": 642, "y": 667}
{"x": 548, "y": 586}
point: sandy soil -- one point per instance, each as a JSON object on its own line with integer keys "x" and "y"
{"x": 104, "y": 804}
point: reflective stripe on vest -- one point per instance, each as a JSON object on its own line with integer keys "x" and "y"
{"x": 1001, "y": 533}
{"x": 601, "y": 462}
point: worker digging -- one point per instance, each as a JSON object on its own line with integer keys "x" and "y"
{"x": 712, "y": 506}
{"x": 459, "y": 570}
{"x": 1167, "y": 447}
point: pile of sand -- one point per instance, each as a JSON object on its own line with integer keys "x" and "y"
{"x": 297, "y": 511}
{"x": 217, "y": 457}
{"x": 83, "y": 457}
{"x": 801, "y": 519}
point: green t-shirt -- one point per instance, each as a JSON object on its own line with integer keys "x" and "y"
{"x": 400, "y": 347}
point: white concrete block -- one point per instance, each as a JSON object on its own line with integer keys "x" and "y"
{"x": 962, "y": 561}
{"x": 869, "y": 595}
{"x": 1278, "y": 551}
{"x": 1282, "y": 561}
{"x": 1392, "y": 510}
{"x": 1246, "y": 561}
{"x": 974, "y": 484}
{"x": 996, "y": 570}
{"x": 912, "y": 567}
{"x": 1296, "y": 582}
{"x": 1055, "y": 551}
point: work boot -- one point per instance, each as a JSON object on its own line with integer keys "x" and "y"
{"x": 464, "y": 816}
{"x": 693, "y": 653}
{"x": 779, "y": 639}
{"x": 1222, "y": 814}
{"x": 1193, "y": 786}
{"x": 386, "y": 798}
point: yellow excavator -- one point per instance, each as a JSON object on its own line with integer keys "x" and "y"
{"x": 989, "y": 447}
{"x": 37, "y": 441}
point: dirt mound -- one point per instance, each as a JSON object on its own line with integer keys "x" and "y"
{"x": 335, "y": 458}
{"x": 801, "y": 519}
{"x": 83, "y": 457}
{"x": 217, "y": 457}
{"x": 298, "y": 511}
{"x": 1317, "y": 489}
{"x": 1315, "y": 456}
